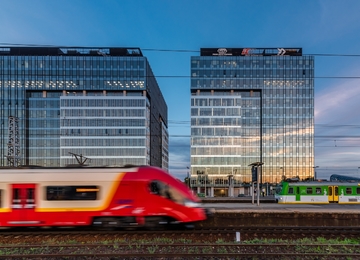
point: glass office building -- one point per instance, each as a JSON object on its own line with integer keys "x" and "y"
{"x": 250, "y": 105}
{"x": 102, "y": 105}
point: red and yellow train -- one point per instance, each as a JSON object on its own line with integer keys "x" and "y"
{"x": 106, "y": 197}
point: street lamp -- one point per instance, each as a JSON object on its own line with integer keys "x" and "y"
{"x": 315, "y": 172}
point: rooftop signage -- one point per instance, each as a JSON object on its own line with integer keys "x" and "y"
{"x": 251, "y": 51}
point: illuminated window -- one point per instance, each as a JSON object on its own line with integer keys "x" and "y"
{"x": 71, "y": 192}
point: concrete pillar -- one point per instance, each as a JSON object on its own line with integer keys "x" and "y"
{"x": 212, "y": 192}
{"x": 231, "y": 191}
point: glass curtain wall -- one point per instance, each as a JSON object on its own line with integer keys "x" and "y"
{"x": 111, "y": 131}
{"x": 226, "y": 92}
{"x": 33, "y": 79}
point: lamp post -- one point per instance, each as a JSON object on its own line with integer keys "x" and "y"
{"x": 315, "y": 172}
{"x": 257, "y": 166}
{"x": 206, "y": 170}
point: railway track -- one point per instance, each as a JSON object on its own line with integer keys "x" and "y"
{"x": 181, "y": 251}
{"x": 210, "y": 235}
{"x": 264, "y": 229}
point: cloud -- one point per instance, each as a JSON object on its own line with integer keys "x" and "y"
{"x": 338, "y": 103}
{"x": 337, "y": 125}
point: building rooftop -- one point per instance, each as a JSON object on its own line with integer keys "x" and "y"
{"x": 70, "y": 51}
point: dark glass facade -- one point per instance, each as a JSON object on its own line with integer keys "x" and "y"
{"x": 101, "y": 103}
{"x": 250, "y": 105}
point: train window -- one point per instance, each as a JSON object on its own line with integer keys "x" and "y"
{"x": 71, "y": 192}
{"x": 175, "y": 195}
{"x": 30, "y": 196}
{"x": 297, "y": 190}
{"x": 16, "y": 196}
{"x": 291, "y": 190}
{"x": 348, "y": 190}
{"x": 358, "y": 190}
{"x": 330, "y": 191}
{"x": 318, "y": 190}
{"x": 278, "y": 190}
{"x": 309, "y": 190}
{"x": 155, "y": 187}
{"x": 159, "y": 188}
{"x": 166, "y": 191}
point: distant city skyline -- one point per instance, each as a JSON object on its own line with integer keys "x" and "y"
{"x": 170, "y": 32}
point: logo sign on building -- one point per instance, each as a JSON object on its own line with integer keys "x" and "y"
{"x": 222, "y": 52}
{"x": 251, "y": 52}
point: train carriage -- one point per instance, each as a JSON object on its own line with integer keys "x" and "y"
{"x": 106, "y": 197}
{"x": 318, "y": 193}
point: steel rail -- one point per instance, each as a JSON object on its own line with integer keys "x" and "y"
{"x": 227, "y": 234}
{"x": 203, "y": 230}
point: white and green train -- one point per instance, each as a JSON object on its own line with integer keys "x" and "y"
{"x": 318, "y": 192}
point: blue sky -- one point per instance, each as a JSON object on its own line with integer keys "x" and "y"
{"x": 317, "y": 26}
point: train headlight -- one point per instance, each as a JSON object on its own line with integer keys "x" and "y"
{"x": 192, "y": 204}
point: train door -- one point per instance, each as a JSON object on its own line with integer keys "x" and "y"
{"x": 297, "y": 191}
{"x": 23, "y": 203}
{"x": 333, "y": 194}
